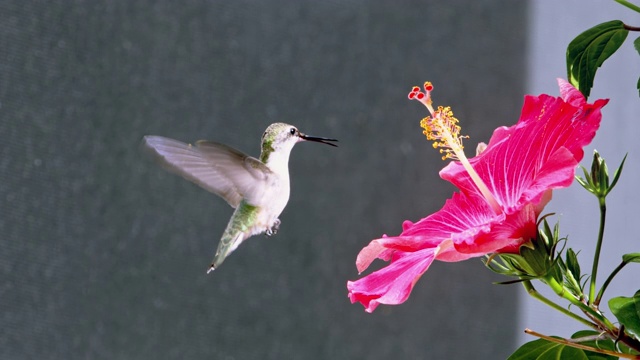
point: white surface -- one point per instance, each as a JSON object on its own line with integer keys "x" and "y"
{"x": 552, "y": 25}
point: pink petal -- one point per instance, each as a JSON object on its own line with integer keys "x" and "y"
{"x": 570, "y": 94}
{"x": 384, "y": 248}
{"x": 558, "y": 172}
{"x": 368, "y": 254}
{"x": 505, "y": 236}
{"x": 392, "y": 284}
{"x": 462, "y": 213}
{"x": 463, "y": 219}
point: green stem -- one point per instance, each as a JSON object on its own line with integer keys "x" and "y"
{"x": 588, "y": 310}
{"x": 536, "y": 295}
{"x": 596, "y": 257}
{"x": 596, "y": 302}
{"x": 562, "y": 292}
{"x": 629, "y": 5}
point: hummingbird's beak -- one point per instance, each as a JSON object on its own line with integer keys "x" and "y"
{"x": 318, "y": 139}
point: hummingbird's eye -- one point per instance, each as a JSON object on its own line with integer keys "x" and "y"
{"x": 292, "y": 131}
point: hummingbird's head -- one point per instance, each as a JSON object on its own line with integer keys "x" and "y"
{"x": 281, "y": 137}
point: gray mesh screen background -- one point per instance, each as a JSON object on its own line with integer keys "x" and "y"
{"x": 103, "y": 254}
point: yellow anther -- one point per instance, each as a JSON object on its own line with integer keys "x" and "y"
{"x": 443, "y": 129}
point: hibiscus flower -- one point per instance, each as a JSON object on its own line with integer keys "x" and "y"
{"x": 503, "y": 190}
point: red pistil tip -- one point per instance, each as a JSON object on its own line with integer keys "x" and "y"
{"x": 415, "y": 93}
{"x": 423, "y": 97}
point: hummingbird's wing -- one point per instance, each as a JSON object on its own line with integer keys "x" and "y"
{"x": 218, "y": 168}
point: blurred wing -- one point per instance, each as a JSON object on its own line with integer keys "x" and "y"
{"x": 218, "y": 168}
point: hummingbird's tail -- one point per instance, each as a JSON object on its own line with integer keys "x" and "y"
{"x": 229, "y": 242}
{"x": 239, "y": 228}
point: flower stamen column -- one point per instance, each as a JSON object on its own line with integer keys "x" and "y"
{"x": 442, "y": 128}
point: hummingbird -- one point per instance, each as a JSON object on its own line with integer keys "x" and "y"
{"x": 258, "y": 189}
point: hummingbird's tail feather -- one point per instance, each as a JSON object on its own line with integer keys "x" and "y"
{"x": 229, "y": 242}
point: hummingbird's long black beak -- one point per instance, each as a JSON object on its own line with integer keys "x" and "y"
{"x": 318, "y": 139}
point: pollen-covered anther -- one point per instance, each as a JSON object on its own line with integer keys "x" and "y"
{"x": 443, "y": 129}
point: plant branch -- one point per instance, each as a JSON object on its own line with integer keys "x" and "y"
{"x": 596, "y": 302}
{"x": 580, "y": 346}
{"x": 629, "y": 341}
{"x": 536, "y": 295}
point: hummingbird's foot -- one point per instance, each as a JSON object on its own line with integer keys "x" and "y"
{"x": 274, "y": 228}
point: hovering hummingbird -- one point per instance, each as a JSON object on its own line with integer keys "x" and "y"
{"x": 258, "y": 189}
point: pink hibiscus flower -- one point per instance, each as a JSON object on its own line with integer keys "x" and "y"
{"x": 502, "y": 191}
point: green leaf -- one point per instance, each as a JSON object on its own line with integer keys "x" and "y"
{"x": 572, "y": 273}
{"x": 632, "y": 257}
{"x": 588, "y": 51}
{"x": 616, "y": 175}
{"x": 582, "y": 182}
{"x": 572, "y": 263}
{"x": 629, "y": 5}
{"x": 545, "y": 350}
{"x": 627, "y": 311}
{"x": 586, "y": 182}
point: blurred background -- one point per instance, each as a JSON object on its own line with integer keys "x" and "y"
{"x": 103, "y": 254}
